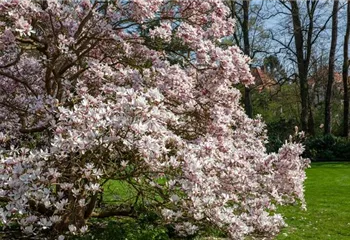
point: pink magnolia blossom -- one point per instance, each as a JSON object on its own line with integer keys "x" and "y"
{"x": 109, "y": 103}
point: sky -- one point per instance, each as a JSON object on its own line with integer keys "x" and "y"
{"x": 275, "y": 18}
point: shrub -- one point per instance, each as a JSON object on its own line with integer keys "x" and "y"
{"x": 278, "y": 132}
{"x": 327, "y": 148}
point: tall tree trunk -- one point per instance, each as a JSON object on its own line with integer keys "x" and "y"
{"x": 311, "y": 122}
{"x": 304, "y": 93}
{"x": 328, "y": 113}
{"x": 245, "y": 29}
{"x": 302, "y": 64}
{"x": 345, "y": 74}
{"x": 248, "y": 102}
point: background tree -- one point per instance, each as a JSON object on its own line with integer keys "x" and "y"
{"x": 250, "y": 36}
{"x": 275, "y": 69}
{"x": 345, "y": 74}
{"x": 245, "y": 30}
{"x": 301, "y": 17}
{"x": 327, "y": 122}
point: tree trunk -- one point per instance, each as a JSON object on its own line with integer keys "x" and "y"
{"x": 302, "y": 64}
{"x": 75, "y": 216}
{"x": 328, "y": 113}
{"x": 248, "y": 102}
{"x": 304, "y": 93}
{"x": 345, "y": 75}
{"x": 311, "y": 122}
{"x": 245, "y": 29}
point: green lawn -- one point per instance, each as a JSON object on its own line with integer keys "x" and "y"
{"x": 328, "y": 205}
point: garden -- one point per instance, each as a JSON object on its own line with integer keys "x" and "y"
{"x": 173, "y": 119}
{"x": 326, "y": 216}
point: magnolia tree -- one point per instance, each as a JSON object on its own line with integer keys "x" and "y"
{"x": 138, "y": 92}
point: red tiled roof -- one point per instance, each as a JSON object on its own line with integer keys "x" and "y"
{"x": 262, "y": 78}
{"x": 322, "y": 75}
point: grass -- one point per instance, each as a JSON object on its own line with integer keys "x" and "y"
{"x": 328, "y": 205}
{"x": 117, "y": 191}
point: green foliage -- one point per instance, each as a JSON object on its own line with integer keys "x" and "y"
{"x": 327, "y": 148}
{"x": 274, "y": 68}
{"x": 278, "y": 132}
{"x": 125, "y": 228}
{"x": 118, "y": 191}
{"x": 145, "y": 222}
{"x": 141, "y": 228}
{"x": 277, "y": 102}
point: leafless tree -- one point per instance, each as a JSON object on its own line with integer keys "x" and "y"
{"x": 304, "y": 29}
{"x": 327, "y": 120}
{"x": 345, "y": 74}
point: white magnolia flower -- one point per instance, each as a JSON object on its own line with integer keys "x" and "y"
{"x": 124, "y": 163}
{"x": 28, "y": 229}
{"x": 84, "y": 229}
{"x": 174, "y": 198}
{"x": 93, "y": 187}
{"x": 89, "y": 166}
{"x": 75, "y": 192}
{"x": 60, "y": 237}
{"x": 45, "y": 223}
{"x": 72, "y": 228}
{"x": 82, "y": 203}
{"x": 55, "y": 219}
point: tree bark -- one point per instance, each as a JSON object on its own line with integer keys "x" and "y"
{"x": 345, "y": 74}
{"x": 248, "y": 102}
{"x": 311, "y": 122}
{"x": 117, "y": 211}
{"x": 245, "y": 30}
{"x": 75, "y": 216}
{"x": 302, "y": 64}
{"x": 328, "y": 109}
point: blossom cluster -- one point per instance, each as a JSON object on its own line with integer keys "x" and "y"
{"x": 138, "y": 91}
